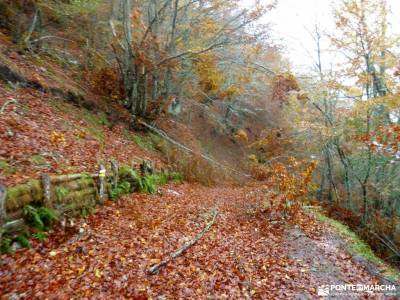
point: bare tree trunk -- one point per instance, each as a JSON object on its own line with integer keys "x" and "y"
{"x": 364, "y": 183}
{"x": 365, "y": 203}
{"x": 129, "y": 70}
{"x": 171, "y": 50}
{"x": 321, "y": 185}
{"x": 35, "y": 26}
{"x": 330, "y": 175}
{"x": 3, "y": 215}
{"x": 115, "y": 9}
{"x": 346, "y": 168}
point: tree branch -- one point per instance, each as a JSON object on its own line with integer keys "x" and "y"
{"x": 166, "y": 137}
{"x": 2, "y": 109}
{"x": 150, "y": 27}
{"x": 155, "y": 268}
{"x": 189, "y": 52}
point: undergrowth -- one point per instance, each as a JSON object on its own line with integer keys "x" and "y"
{"x": 148, "y": 142}
{"x": 40, "y": 218}
{"x": 23, "y": 240}
{"x": 131, "y": 181}
{"x": 123, "y": 187}
{"x": 358, "y": 247}
{"x": 147, "y": 184}
{"x": 6, "y": 169}
{"x": 193, "y": 167}
{"x": 61, "y": 192}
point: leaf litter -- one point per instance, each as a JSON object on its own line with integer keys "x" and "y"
{"x": 243, "y": 256}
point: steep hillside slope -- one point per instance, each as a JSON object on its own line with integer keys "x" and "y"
{"x": 53, "y": 123}
{"x": 44, "y": 133}
{"x": 94, "y": 92}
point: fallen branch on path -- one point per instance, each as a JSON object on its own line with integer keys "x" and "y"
{"x": 247, "y": 282}
{"x": 154, "y": 268}
{"x": 3, "y": 108}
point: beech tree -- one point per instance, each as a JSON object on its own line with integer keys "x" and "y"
{"x": 158, "y": 43}
{"x": 356, "y": 102}
{"x": 362, "y": 38}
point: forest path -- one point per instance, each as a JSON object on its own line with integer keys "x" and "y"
{"x": 243, "y": 255}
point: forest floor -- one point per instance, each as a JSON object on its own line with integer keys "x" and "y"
{"x": 41, "y": 133}
{"x": 244, "y": 255}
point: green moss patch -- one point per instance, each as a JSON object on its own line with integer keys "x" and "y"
{"x": 6, "y": 169}
{"x": 23, "y": 194}
{"x": 39, "y": 161}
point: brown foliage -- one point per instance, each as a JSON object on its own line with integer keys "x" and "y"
{"x": 287, "y": 184}
{"x": 107, "y": 82}
{"x": 281, "y": 86}
{"x": 241, "y": 135}
{"x": 271, "y": 143}
{"x": 193, "y": 167}
{"x": 379, "y": 227}
{"x": 70, "y": 139}
{"x": 259, "y": 171}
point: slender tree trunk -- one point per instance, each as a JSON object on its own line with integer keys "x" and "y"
{"x": 347, "y": 184}
{"x": 155, "y": 74}
{"x": 330, "y": 175}
{"x": 322, "y": 184}
{"x": 364, "y": 183}
{"x": 365, "y": 203}
{"x": 171, "y": 50}
{"x": 130, "y": 78}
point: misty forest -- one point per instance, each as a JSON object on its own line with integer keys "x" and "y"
{"x": 199, "y": 149}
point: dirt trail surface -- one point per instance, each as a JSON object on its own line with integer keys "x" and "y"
{"x": 244, "y": 255}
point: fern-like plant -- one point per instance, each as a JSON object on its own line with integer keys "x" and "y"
{"x": 61, "y": 192}
{"x": 161, "y": 178}
{"x": 147, "y": 184}
{"x": 23, "y": 240}
{"x": 32, "y": 217}
{"x": 176, "y": 177}
{"x": 123, "y": 187}
{"x": 5, "y": 246}
{"x": 47, "y": 215}
{"x": 41, "y": 218}
{"x": 41, "y": 236}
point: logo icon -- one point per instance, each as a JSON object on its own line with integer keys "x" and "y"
{"x": 323, "y": 290}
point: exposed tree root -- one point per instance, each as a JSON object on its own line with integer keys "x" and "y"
{"x": 155, "y": 268}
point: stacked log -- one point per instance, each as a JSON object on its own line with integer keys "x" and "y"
{"x": 78, "y": 191}
{"x": 66, "y": 193}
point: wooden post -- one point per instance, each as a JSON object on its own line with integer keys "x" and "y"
{"x": 146, "y": 168}
{"x": 114, "y": 168}
{"x": 102, "y": 184}
{"x": 3, "y": 195}
{"x": 46, "y": 183}
{"x": 135, "y": 164}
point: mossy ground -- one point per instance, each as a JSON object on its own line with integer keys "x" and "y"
{"x": 357, "y": 246}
